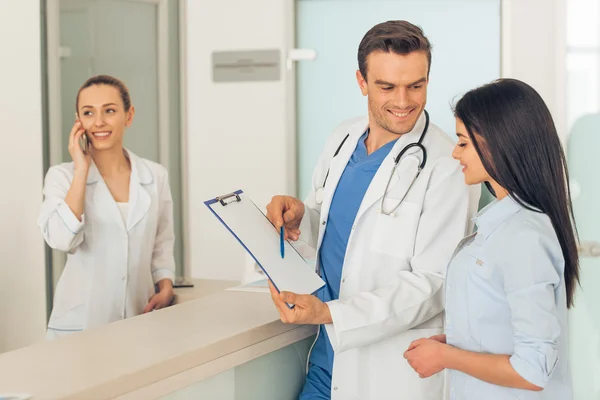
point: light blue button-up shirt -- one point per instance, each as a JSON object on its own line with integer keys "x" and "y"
{"x": 505, "y": 294}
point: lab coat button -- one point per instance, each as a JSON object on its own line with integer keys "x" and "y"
{"x": 123, "y": 278}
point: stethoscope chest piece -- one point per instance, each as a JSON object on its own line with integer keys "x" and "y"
{"x": 319, "y": 195}
{"x": 380, "y": 211}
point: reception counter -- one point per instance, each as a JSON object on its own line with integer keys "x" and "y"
{"x": 214, "y": 343}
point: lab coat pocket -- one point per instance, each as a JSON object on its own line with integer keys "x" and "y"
{"x": 394, "y": 234}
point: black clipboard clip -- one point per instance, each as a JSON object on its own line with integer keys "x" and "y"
{"x": 235, "y": 198}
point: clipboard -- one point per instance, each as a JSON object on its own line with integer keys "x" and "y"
{"x": 251, "y": 228}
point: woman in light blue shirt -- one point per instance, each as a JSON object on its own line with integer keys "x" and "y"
{"x": 509, "y": 284}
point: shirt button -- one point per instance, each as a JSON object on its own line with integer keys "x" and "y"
{"x": 123, "y": 278}
{"x": 335, "y": 388}
{"x": 343, "y": 280}
{"x": 323, "y": 223}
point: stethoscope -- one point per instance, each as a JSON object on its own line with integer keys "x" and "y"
{"x": 419, "y": 145}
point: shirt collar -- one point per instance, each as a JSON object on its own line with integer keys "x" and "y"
{"x": 494, "y": 214}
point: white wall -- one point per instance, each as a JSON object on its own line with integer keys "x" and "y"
{"x": 534, "y": 50}
{"x": 239, "y": 135}
{"x": 22, "y": 267}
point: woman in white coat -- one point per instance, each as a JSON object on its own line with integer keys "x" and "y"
{"x": 111, "y": 211}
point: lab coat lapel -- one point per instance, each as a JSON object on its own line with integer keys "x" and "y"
{"x": 139, "y": 198}
{"x": 338, "y": 165}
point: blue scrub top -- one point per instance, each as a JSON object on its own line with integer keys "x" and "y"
{"x": 348, "y": 196}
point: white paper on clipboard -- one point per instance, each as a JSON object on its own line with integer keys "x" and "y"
{"x": 247, "y": 223}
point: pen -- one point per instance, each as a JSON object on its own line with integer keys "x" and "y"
{"x": 281, "y": 241}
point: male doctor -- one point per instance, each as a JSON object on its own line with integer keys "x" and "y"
{"x": 383, "y": 258}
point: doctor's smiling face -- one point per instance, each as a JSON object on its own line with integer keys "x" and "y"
{"x": 105, "y": 110}
{"x": 394, "y": 60}
{"x": 396, "y": 87}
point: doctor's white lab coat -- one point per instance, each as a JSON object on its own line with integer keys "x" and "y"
{"x": 112, "y": 265}
{"x": 391, "y": 291}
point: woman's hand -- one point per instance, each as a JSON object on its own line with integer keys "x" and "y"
{"x": 426, "y": 356}
{"x": 163, "y": 298}
{"x": 440, "y": 338}
{"x": 82, "y": 160}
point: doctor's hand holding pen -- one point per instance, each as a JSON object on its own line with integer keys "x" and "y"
{"x": 286, "y": 211}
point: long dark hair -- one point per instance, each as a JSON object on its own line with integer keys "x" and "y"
{"x": 520, "y": 149}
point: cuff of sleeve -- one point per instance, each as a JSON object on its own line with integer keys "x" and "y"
{"x": 335, "y": 312}
{"x": 163, "y": 273}
{"x": 533, "y": 374}
{"x": 69, "y": 219}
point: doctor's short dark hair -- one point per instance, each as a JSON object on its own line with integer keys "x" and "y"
{"x": 400, "y": 37}
{"x": 109, "y": 81}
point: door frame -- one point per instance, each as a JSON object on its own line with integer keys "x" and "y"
{"x": 183, "y": 128}
{"x": 545, "y": 18}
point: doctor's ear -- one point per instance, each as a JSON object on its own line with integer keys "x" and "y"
{"x": 362, "y": 83}
{"x": 129, "y": 116}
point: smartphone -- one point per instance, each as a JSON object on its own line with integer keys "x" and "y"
{"x": 84, "y": 143}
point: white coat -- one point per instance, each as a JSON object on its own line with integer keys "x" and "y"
{"x": 112, "y": 265}
{"x": 391, "y": 291}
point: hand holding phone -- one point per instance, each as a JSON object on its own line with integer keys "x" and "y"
{"x": 84, "y": 143}
{"x": 79, "y": 146}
